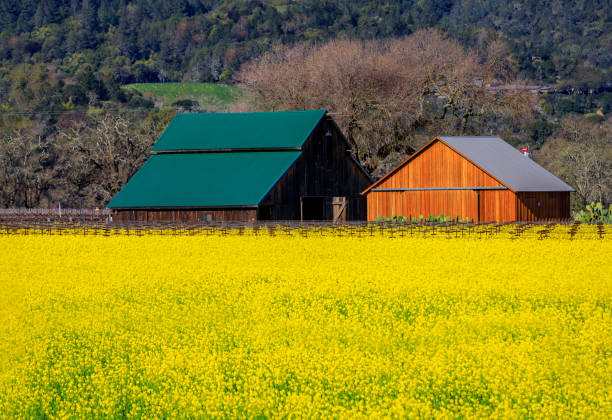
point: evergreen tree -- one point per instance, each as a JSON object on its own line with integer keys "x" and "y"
{"x": 9, "y": 12}
{"x": 89, "y": 15}
{"x": 75, "y": 6}
{"x": 127, "y": 32}
{"x": 48, "y": 12}
{"x": 107, "y": 14}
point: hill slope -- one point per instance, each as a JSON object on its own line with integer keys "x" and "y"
{"x": 206, "y": 40}
{"x": 71, "y": 71}
{"x": 198, "y": 96}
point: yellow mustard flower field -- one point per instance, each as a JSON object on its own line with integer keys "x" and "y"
{"x": 323, "y": 326}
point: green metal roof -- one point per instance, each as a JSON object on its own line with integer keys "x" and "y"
{"x": 253, "y": 130}
{"x": 204, "y": 179}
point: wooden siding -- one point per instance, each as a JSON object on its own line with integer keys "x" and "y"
{"x": 325, "y": 169}
{"x": 496, "y": 206}
{"x": 554, "y": 206}
{"x": 455, "y": 203}
{"x": 184, "y": 215}
{"x": 439, "y": 166}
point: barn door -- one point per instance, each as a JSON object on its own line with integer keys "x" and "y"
{"x": 481, "y": 207}
{"x": 339, "y": 207}
{"x": 496, "y": 206}
{"x": 488, "y": 202}
{"x": 486, "y": 213}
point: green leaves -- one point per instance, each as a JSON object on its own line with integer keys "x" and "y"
{"x": 394, "y": 219}
{"x": 595, "y": 213}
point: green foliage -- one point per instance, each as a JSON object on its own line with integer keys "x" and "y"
{"x": 61, "y": 59}
{"x": 207, "y": 40}
{"x": 595, "y": 213}
{"x": 595, "y": 117}
{"x": 226, "y": 75}
{"x": 187, "y": 104}
{"x": 106, "y": 44}
{"x": 394, "y": 219}
{"x": 598, "y": 102}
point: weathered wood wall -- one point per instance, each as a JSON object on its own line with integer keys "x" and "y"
{"x": 184, "y": 215}
{"x": 325, "y": 169}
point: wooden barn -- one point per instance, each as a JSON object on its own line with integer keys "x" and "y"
{"x": 480, "y": 178}
{"x": 293, "y": 165}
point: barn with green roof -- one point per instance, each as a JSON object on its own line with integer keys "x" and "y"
{"x": 293, "y": 165}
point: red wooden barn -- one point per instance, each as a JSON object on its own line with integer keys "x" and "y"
{"x": 480, "y": 178}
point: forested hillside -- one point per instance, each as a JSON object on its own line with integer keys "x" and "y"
{"x": 65, "y": 64}
{"x": 205, "y": 40}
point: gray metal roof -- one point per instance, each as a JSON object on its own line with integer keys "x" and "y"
{"x": 505, "y": 163}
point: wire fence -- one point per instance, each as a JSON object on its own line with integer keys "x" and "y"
{"x": 103, "y": 227}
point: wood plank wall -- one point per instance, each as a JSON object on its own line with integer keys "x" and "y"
{"x": 496, "y": 206}
{"x": 554, "y": 206}
{"x": 441, "y": 167}
{"x": 185, "y": 215}
{"x": 325, "y": 169}
{"x": 455, "y": 203}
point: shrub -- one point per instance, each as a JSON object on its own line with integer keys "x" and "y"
{"x": 420, "y": 219}
{"x": 595, "y": 212}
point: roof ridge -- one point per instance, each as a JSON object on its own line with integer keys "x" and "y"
{"x": 204, "y": 180}
{"x": 240, "y": 130}
{"x": 251, "y": 112}
{"x": 506, "y": 167}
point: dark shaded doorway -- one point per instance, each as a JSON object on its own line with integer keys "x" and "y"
{"x": 264, "y": 212}
{"x": 313, "y": 208}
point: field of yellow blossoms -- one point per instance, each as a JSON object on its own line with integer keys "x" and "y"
{"x": 323, "y": 326}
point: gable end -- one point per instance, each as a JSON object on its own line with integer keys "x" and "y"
{"x": 437, "y": 165}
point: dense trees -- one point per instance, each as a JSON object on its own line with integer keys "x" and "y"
{"x": 63, "y": 64}
{"x": 22, "y": 176}
{"x": 207, "y": 40}
{"x": 554, "y": 42}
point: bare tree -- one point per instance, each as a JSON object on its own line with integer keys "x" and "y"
{"x": 580, "y": 152}
{"x": 98, "y": 157}
{"x": 23, "y": 178}
{"x": 389, "y": 96}
{"x": 90, "y": 157}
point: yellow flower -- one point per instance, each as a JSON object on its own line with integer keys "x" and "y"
{"x": 307, "y": 324}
